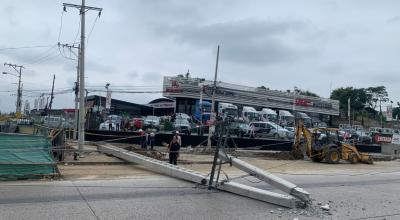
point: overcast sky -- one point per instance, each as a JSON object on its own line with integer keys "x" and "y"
{"x": 314, "y": 45}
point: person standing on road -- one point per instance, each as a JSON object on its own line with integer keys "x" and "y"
{"x": 143, "y": 141}
{"x": 252, "y": 131}
{"x": 152, "y": 139}
{"x": 173, "y": 149}
{"x": 110, "y": 126}
{"x": 178, "y": 138}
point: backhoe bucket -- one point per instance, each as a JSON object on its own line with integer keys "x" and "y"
{"x": 366, "y": 158}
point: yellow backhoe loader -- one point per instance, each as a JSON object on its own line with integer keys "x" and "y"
{"x": 321, "y": 144}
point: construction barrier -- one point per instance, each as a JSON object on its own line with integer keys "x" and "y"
{"x": 195, "y": 140}
{"x": 19, "y": 161}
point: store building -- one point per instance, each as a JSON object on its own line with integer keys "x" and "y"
{"x": 186, "y": 90}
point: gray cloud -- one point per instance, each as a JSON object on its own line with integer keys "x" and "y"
{"x": 278, "y": 44}
{"x": 394, "y": 19}
{"x": 152, "y": 77}
{"x": 132, "y": 74}
{"x": 246, "y": 41}
{"x": 95, "y": 68}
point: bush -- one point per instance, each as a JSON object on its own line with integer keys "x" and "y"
{"x": 168, "y": 126}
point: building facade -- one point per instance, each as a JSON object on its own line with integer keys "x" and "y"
{"x": 186, "y": 90}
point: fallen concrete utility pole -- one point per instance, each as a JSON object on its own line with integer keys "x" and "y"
{"x": 267, "y": 177}
{"x": 260, "y": 194}
{"x": 297, "y": 195}
{"x": 154, "y": 165}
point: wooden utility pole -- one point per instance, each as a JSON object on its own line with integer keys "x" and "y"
{"x": 52, "y": 96}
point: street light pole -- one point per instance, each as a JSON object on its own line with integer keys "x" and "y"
{"x": 107, "y": 85}
{"x": 19, "y": 92}
{"x": 19, "y": 97}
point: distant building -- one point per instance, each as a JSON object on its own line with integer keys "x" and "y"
{"x": 162, "y": 106}
{"x": 96, "y": 110}
{"x": 186, "y": 90}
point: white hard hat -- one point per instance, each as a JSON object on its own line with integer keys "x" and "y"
{"x": 140, "y": 130}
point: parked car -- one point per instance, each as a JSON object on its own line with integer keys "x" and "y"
{"x": 53, "y": 121}
{"x": 182, "y": 115}
{"x": 105, "y": 126}
{"x": 240, "y": 129}
{"x": 291, "y": 131}
{"x": 152, "y": 122}
{"x": 24, "y": 122}
{"x": 182, "y": 125}
{"x": 136, "y": 124}
{"x": 269, "y": 129}
{"x": 363, "y": 137}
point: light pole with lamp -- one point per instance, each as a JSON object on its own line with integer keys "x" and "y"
{"x": 19, "y": 92}
{"x": 107, "y": 85}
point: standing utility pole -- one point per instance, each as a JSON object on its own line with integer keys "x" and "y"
{"x": 200, "y": 131}
{"x": 213, "y": 101}
{"x": 52, "y": 95}
{"x": 348, "y": 110}
{"x": 76, "y": 90}
{"x": 19, "y": 92}
{"x": 81, "y": 128}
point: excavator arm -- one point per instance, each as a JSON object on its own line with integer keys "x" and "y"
{"x": 301, "y": 131}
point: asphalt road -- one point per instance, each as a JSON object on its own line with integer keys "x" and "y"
{"x": 368, "y": 196}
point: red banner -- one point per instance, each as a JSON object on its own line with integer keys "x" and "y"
{"x": 303, "y": 102}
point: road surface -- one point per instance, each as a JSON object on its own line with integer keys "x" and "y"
{"x": 355, "y": 196}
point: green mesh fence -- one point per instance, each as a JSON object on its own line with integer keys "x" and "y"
{"x": 25, "y": 156}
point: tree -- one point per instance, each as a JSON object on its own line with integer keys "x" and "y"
{"x": 262, "y": 87}
{"x": 358, "y": 97}
{"x": 307, "y": 93}
{"x": 304, "y": 92}
{"x": 396, "y": 112}
{"x": 377, "y": 95}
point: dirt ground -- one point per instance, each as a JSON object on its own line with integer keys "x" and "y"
{"x": 100, "y": 166}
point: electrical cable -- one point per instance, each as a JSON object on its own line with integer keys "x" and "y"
{"x": 79, "y": 30}
{"x": 48, "y": 57}
{"x": 61, "y": 25}
{"x": 25, "y": 47}
{"x": 91, "y": 30}
{"x": 40, "y": 56}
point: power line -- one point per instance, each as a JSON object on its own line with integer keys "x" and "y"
{"x": 125, "y": 91}
{"x": 51, "y": 55}
{"x": 91, "y": 29}
{"x": 25, "y": 47}
{"x": 61, "y": 25}
{"x": 77, "y": 33}
{"x": 140, "y": 87}
{"x": 70, "y": 47}
{"x": 47, "y": 58}
{"x": 41, "y": 55}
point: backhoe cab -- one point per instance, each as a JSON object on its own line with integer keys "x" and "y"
{"x": 321, "y": 144}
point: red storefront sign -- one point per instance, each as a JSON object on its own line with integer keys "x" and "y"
{"x": 303, "y": 102}
{"x": 174, "y": 88}
{"x": 378, "y": 138}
